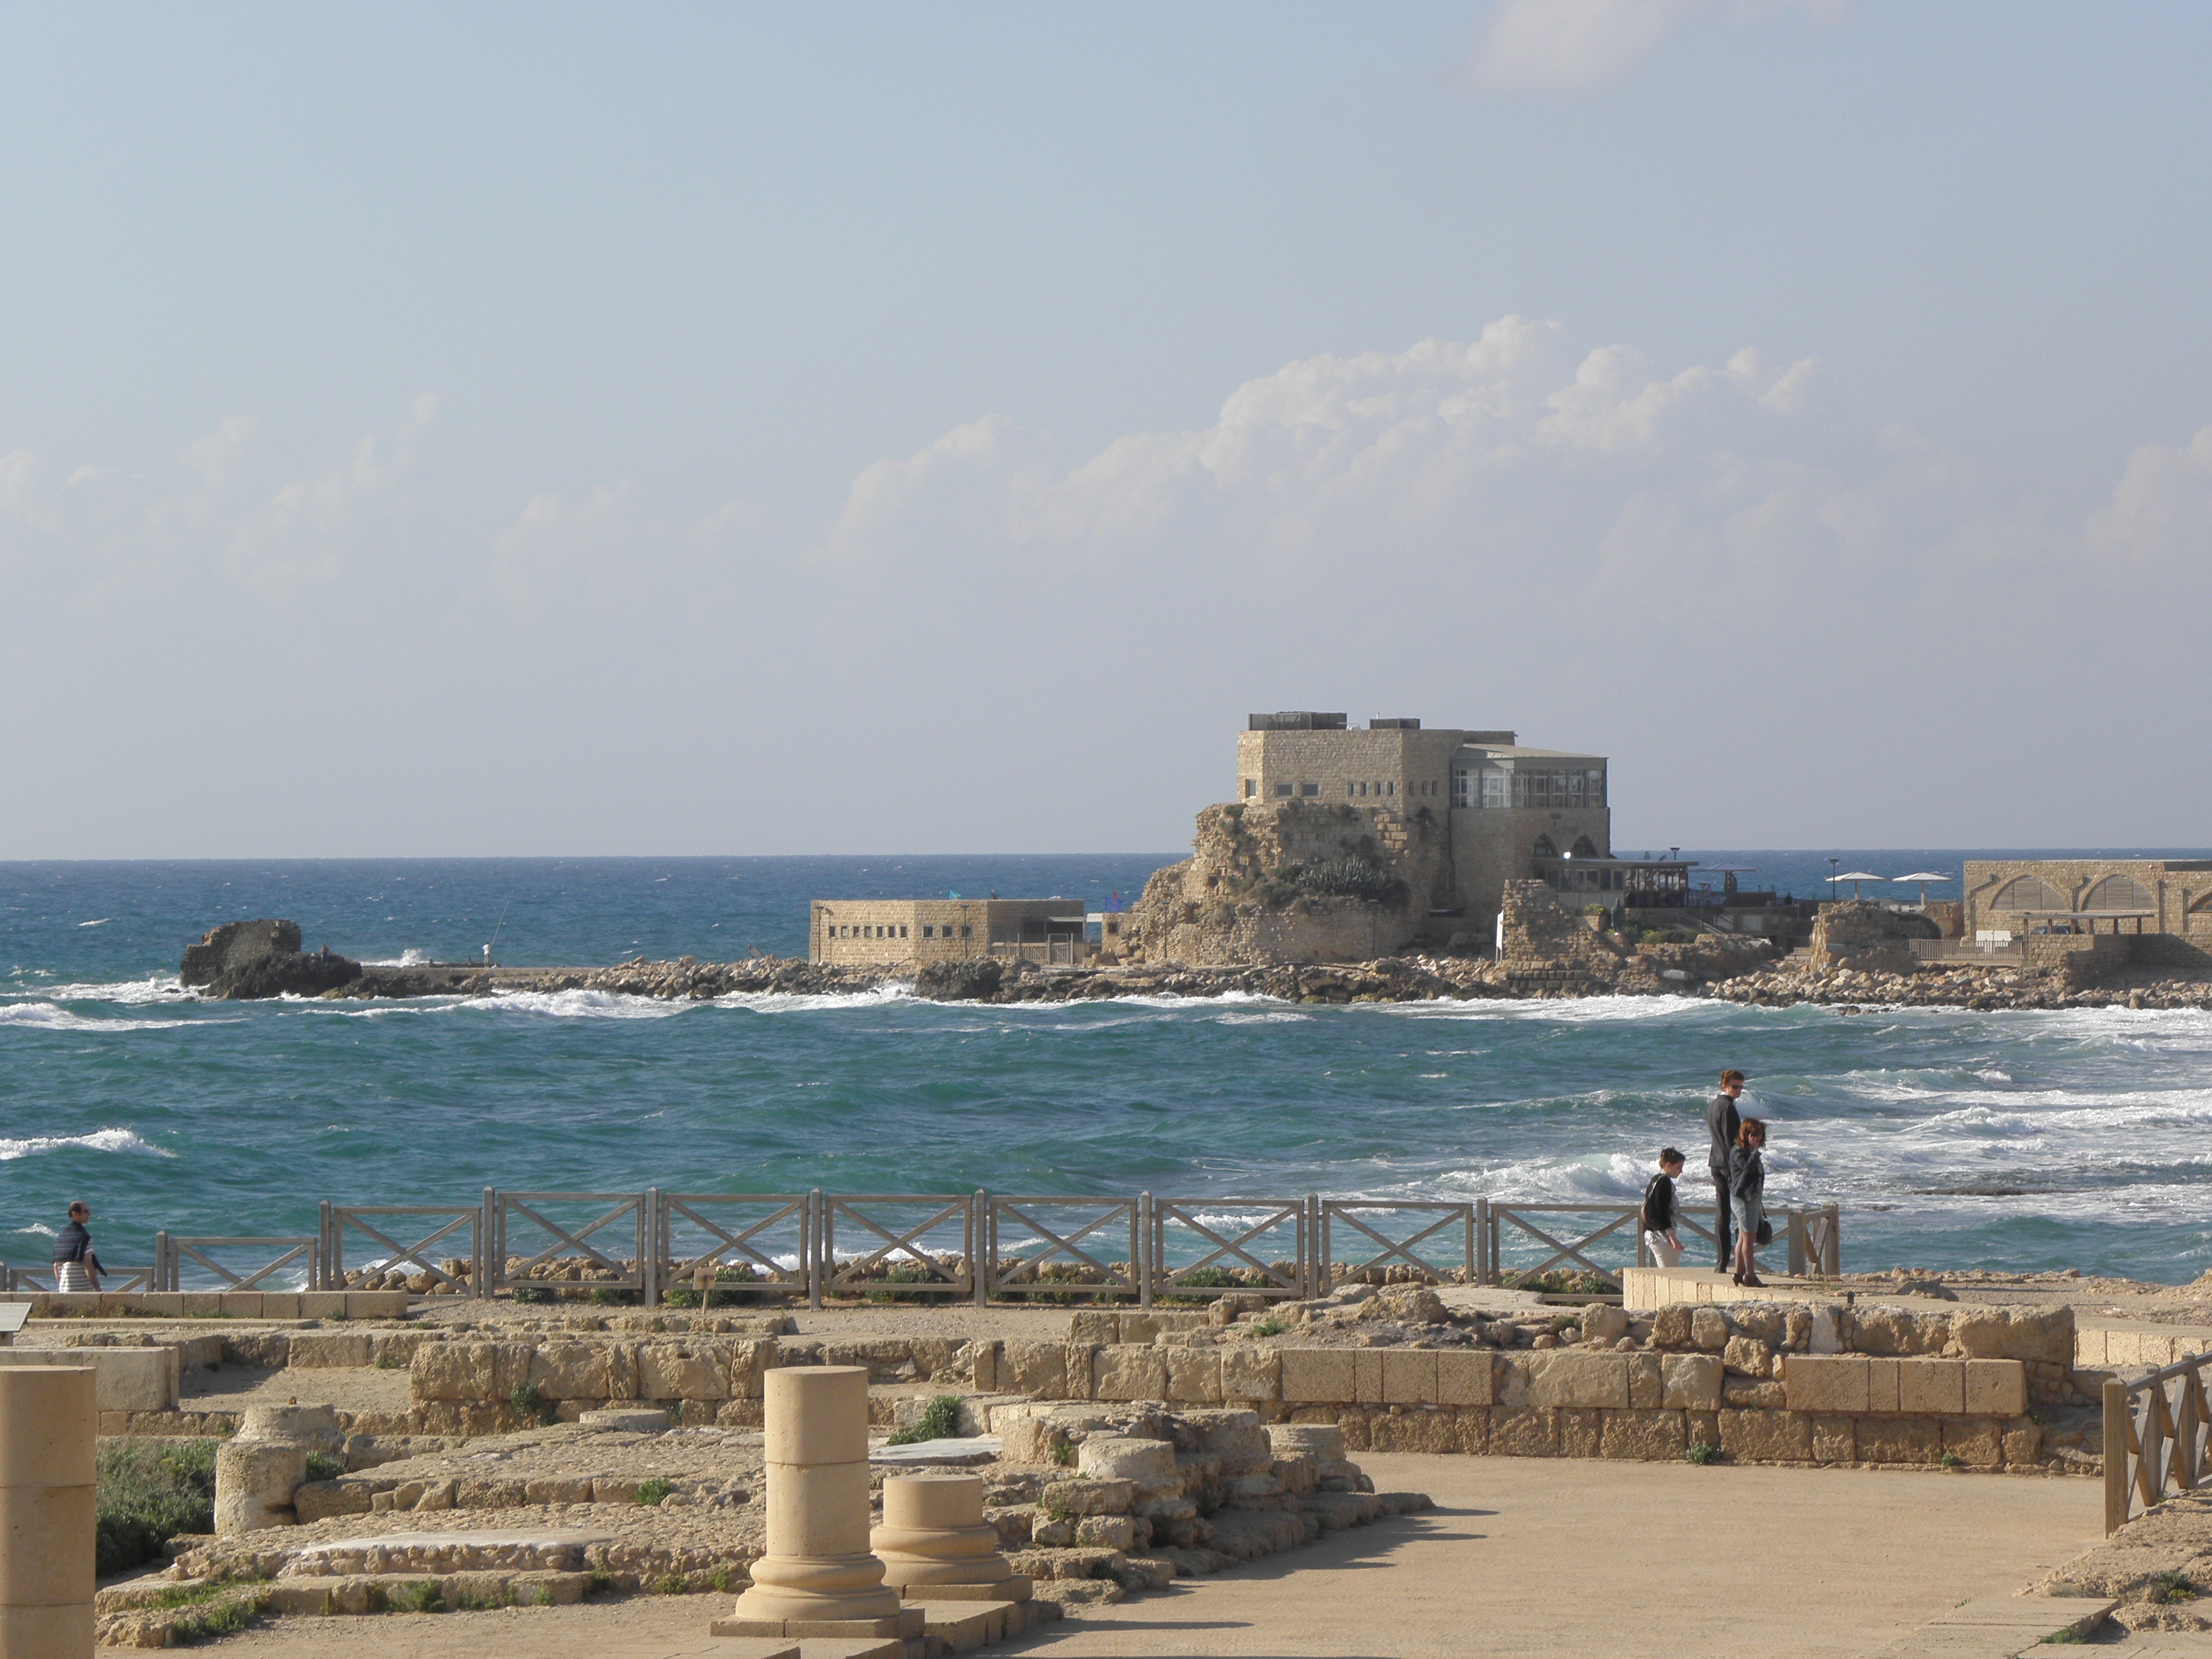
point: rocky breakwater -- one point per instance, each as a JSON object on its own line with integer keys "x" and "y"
{"x": 1950, "y": 985}
{"x": 241, "y": 960}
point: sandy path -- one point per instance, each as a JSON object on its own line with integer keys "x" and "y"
{"x": 1522, "y": 1556}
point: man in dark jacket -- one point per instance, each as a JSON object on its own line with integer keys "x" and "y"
{"x": 1722, "y": 1120}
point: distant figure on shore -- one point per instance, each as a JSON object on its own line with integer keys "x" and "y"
{"x": 1720, "y": 1121}
{"x": 1748, "y": 1194}
{"x": 1658, "y": 1217}
{"x": 75, "y": 1267}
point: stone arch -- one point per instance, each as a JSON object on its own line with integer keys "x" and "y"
{"x": 2028, "y": 893}
{"x": 2119, "y": 892}
{"x": 1543, "y": 849}
{"x": 2202, "y": 904}
{"x": 1584, "y": 849}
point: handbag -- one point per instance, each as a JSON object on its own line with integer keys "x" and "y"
{"x": 1765, "y": 1233}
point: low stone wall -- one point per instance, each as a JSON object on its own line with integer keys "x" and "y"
{"x": 225, "y": 1304}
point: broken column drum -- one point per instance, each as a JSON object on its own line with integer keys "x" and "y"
{"x": 49, "y": 1422}
{"x": 818, "y": 1569}
{"x": 259, "y": 1468}
{"x": 934, "y": 1539}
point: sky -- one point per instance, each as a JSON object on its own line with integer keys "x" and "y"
{"x": 475, "y": 429}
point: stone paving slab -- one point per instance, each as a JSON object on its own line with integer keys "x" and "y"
{"x": 939, "y": 1454}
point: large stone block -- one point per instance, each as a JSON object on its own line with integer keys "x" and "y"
{"x": 475, "y": 1371}
{"x": 1409, "y": 1375}
{"x": 1975, "y": 1442}
{"x": 2044, "y": 1333}
{"x": 1833, "y": 1440}
{"x": 678, "y": 1370}
{"x": 1319, "y": 1375}
{"x": 1650, "y": 1436}
{"x": 1581, "y": 1432}
{"x": 1095, "y": 1328}
{"x": 1568, "y": 1379}
{"x": 1824, "y": 1382}
{"x": 1898, "y": 1439}
{"x": 1995, "y": 1388}
{"x": 2023, "y": 1443}
{"x": 745, "y": 1364}
{"x": 1367, "y": 1376}
{"x": 1881, "y": 1385}
{"x": 1081, "y": 1365}
{"x": 1194, "y": 1375}
{"x": 1471, "y": 1429}
{"x": 1524, "y": 1432}
{"x": 1748, "y": 1355}
{"x": 1757, "y": 1437}
{"x": 1690, "y": 1382}
{"x": 328, "y": 1350}
{"x": 1931, "y": 1388}
{"x": 561, "y": 1371}
{"x": 1709, "y": 1330}
{"x": 1422, "y": 1430}
{"x": 1250, "y": 1371}
{"x": 1647, "y": 1383}
{"x": 1034, "y": 1368}
{"x": 1463, "y": 1376}
{"x": 1670, "y": 1327}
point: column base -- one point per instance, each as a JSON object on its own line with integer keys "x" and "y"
{"x": 1016, "y": 1588}
{"x": 906, "y": 1623}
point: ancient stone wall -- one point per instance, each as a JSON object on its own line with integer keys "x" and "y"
{"x": 1867, "y": 937}
{"x": 2178, "y": 893}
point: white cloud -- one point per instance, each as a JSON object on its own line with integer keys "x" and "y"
{"x": 1569, "y": 45}
{"x": 2161, "y": 509}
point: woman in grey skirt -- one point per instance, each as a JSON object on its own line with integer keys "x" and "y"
{"x": 1748, "y": 1195}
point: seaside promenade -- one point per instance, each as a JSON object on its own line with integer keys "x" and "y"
{"x": 1521, "y": 1556}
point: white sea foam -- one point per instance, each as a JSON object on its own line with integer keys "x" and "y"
{"x": 100, "y": 922}
{"x": 574, "y": 1005}
{"x": 789, "y": 1002}
{"x": 132, "y": 993}
{"x": 99, "y": 1141}
{"x": 46, "y": 1017}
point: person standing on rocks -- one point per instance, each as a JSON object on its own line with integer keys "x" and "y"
{"x": 1658, "y": 1214}
{"x": 1721, "y": 1123}
{"x": 77, "y": 1269}
{"x": 1747, "y": 1197}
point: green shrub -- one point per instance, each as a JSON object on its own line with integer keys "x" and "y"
{"x": 525, "y": 1400}
{"x": 321, "y": 1465}
{"x": 1270, "y": 1326}
{"x": 423, "y": 1596}
{"x": 1703, "y": 1452}
{"x": 533, "y": 1293}
{"x": 1560, "y": 1282}
{"x": 1348, "y": 877}
{"x": 219, "y": 1619}
{"x": 2171, "y": 1587}
{"x": 1952, "y": 1460}
{"x": 1063, "y": 1455}
{"x": 146, "y": 1492}
{"x": 650, "y": 1492}
{"x": 606, "y": 1297}
{"x": 940, "y": 1420}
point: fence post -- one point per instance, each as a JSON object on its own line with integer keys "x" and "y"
{"x": 1317, "y": 1275}
{"x": 160, "y": 1263}
{"x": 491, "y": 1239}
{"x": 2116, "y": 1454}
{"x": 648, "y": 1247}
{"x": 1796, "y": 1244}
{"x": 1831, "y": 1253}
{"x": 983, "y": 1248}
{"x": 1143, "y": 1264}
{"x": 1480, "y": 1224}
{"x": 817, "y": 1245}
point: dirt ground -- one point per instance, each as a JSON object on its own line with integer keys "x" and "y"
{"x": 1535, "y": 1557}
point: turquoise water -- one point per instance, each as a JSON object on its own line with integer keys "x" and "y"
{"x": 1950, "y": 1137}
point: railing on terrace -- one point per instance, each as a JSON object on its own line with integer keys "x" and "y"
{"x": 983, "y": 1245}
{"x": 2155, "y": 1433}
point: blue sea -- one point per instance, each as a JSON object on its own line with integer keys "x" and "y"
{"x": 1949, "y": 1138}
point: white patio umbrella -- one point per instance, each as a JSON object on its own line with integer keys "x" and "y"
{"x": 1924, "y": 877}
{"x": 1854, "y": 876}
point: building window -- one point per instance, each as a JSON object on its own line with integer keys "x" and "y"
{"x": 1282, "y": 789}
{"x": 966, "y": 931}
{"x": 1393, "y": 789}
{"x": 927, "y": 931}
{"x": 1251, "y": 788}
{"x": 1309, "y": 789}
{"x": 902, "y": 930}
{"x": 1544, "y": 849}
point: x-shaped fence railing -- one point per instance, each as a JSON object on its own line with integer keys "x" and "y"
{"x": 122, "y": 1277}
{"x": 463, "y": 1226}
{"x": 1020, "y": 1244}
{"x": 901, "y": 1264}
{"x": 2156, "y": 1429}
{"x": 1451, "y": 1231}
{"x": 926, "y": 1244}
{"x": 625, "y": 1272}
{"x": 772, "y": 1234}
{"x": 289, "y": 1252}
{"x": 1279, "y": 1221}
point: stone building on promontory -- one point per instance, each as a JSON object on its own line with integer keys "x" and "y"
{"x": 1340, "y": 844}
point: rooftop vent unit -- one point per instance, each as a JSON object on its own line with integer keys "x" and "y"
{"x": 1501, "y": 739}
{"x": 1401, "y": 725}
{"x": 1295, "y": 719}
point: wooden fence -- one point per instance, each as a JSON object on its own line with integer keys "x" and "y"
{"x": 981, "y": 1246}
{"x": 2155, "y": 1430}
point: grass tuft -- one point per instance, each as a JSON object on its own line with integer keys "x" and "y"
{"x": 2168, "y": 1587}
{"x": 940, "y": 1420}
{"x": 1703, "y": 1452}
{"x": 650, "y": 1492}
{"x": 146, "y": 1492}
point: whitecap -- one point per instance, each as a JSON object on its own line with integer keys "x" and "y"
{"x": 46, "y": 1017}
{"x": 158, "y": 987}
{"x": 576, "y": 1005}
{"x": 795, "y": 1002}
{"x": 99, "y": 1141}
{"x": 1277, "y": 1017}
{"x": 101, "y": 922}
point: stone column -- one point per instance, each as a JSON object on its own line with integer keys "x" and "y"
{"x": 259, "y": 1468}
{"x": 817, "y": 1577}
{"x": 49, "y": 1420}
{"x": 935, "y": 1544}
